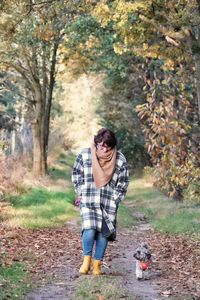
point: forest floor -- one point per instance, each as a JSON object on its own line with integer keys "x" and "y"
{"x": 174, "y": 273}
{"x": 42, "y": 264}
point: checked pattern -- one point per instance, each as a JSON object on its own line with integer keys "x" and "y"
{"x": 98, "y": 203}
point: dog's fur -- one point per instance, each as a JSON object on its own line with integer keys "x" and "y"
{"x": 141, "y": 254}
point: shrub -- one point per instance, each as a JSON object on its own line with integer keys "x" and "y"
{"x": 148, "y": 173}
{"x": 180, "y": 181}
{"x": 192, "y": 193}
{"x": 12, "y": 174}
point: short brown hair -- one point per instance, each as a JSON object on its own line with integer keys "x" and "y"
{"x": 106, "y": 136}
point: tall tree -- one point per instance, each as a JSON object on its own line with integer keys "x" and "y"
{"x": 163, "y": 36}
{"x": 31, "y": 33}
{"x": 156, "y": 29}
{"x": 92, "y": 49}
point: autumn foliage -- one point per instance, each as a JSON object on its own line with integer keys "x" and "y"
{"x": 170, "y": 129}
{"x": 164, "y": 36}
{"x": 13, "y": 172}
{"x": 148, "y": 54}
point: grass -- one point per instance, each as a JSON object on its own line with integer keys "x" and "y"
{"x": 100, "y": 287}
{"x": 41, "y": 208}
{"x": 125, "y": 218}
{"x": 13, "y": 281}
{"x": 165, "y": 215}
{"x": 38, "y": 208}
{"x": 58, "y": 173}
{"x": 62, "y": 169}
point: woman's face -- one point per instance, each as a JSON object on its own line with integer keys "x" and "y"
{"x": 103, "y": 147}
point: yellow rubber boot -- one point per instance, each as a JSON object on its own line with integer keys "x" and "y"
{"x": 86, "y": 265}
{"x": 97, "y": 267}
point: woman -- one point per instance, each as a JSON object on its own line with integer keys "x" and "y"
{"x": 100, "y": 178}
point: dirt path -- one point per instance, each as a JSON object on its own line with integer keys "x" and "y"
{"x": 119, "y": 263}
{"x": 124, "y": 264}
{"x": 53, "y": 257}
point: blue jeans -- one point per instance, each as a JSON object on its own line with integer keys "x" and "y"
{"x": 91, "y": 237}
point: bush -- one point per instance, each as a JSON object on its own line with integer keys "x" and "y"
{"x": 148, "y": 173}
{"x": 179, "y": 181}
{"x": 12, "y": 174}
{"x": 192, "y": 193}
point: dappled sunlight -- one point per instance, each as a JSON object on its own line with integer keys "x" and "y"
{"x": 50, "y": 204}
{"x": 179, "y": 222}
{"x": 140, "y": 189}
{"x": 165, "y": 214}
{"x": 59, "y": 185}
{"x": 52, "y": 213}
{"x": 79, "y": 122}
{"x": 69, "y": 68}
{"x": 140, "y": 183}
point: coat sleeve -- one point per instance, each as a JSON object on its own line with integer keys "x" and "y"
{"x": 122, "y": 184}
{"x": 78, "y": 174}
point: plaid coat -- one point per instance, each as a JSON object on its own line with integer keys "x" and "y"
{"x": 99, "y": 204}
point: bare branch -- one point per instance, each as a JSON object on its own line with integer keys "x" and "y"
{"x": 171, "y": 41}
{"x": 42, "y": 2}
{"x": 26, "y": 15}
{"x": 21, "y": 70}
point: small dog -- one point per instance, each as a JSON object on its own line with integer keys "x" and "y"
{"x": 143, "y": 259}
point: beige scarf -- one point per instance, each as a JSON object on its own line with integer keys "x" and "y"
{"x": 103, "y": 165}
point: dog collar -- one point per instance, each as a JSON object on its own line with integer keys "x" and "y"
{"x": 145, "y": 265}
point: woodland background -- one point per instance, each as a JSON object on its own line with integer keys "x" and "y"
{"x": 68, "y": 68}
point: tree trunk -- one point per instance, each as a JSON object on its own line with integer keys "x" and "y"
{"x": 38, "y": 152}
{"x": 38, "y": 135}
{"x": 43, "y": 91}
{"x": 13, "y": 141}
{"x": 196, "y": 58}
{"x": 49, "y": 100}
{"x": 194, "y": 44}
